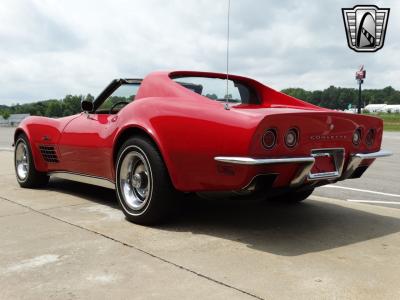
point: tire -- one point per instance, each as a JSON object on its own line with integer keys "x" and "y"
{"x": 297, "y": 196}
{"x": 144, "y": 189}
{"x": 25, "y": 171}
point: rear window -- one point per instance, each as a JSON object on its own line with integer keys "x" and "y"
{"x": 215, "y": 89}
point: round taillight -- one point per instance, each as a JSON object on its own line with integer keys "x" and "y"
{"x": 291, "y": 138}
{"x": 370, "y": 137}
{"x": 269, "y": 139}
{"x": 357, "y": 136}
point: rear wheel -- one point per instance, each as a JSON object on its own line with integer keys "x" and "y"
{"x": 144, "y": 188}
{"x": 27, "y": 175}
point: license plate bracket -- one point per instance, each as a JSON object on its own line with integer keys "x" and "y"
{"x": 328, "y": 164}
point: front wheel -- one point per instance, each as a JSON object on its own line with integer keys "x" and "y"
{"x": 27, "y": 175}
{"x": 144, "y": 189}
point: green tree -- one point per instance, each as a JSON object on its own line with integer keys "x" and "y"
{"x": 89, "y": 97}
{"x": 71, "y": 104}
{"x": 5, "y": 114}
{"x": 212, "y": 96}
{"x": 54, "y": 109}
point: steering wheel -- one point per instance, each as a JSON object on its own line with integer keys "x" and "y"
{"x": 116, "y": 104}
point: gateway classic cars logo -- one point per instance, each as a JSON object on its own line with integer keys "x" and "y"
{"x": 365, "y": 27}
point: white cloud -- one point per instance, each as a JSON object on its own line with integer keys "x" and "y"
{"x": 52, "y": 48}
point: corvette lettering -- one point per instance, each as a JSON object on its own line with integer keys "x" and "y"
{"x": 327, "y": 137}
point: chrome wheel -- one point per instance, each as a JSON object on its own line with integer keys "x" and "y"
{"x": 22, "y": 160}
{"x": 135, "y": 180}
{"x": 143, "y": 186}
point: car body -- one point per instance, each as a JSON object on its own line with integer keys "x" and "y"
{"x": 261, "y": 140}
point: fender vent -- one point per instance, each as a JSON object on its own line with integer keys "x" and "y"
{"x": 49, "y": 153}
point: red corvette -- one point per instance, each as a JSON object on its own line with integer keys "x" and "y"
{"x": 175, "y": 132}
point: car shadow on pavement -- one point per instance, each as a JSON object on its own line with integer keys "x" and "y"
{"x": 89, "y": 192}
{"x": 275, "y": 227}
{"x": 282, "y": 228}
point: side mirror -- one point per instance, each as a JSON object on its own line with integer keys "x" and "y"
{"x": 86, "y": 106}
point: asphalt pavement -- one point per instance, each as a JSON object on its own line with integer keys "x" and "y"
{"x": 379, "y": 185}
{"x": 6, "y": 138}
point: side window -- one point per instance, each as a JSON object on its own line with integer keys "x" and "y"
{"x": 125, "y": 93}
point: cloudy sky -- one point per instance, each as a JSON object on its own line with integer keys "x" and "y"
{"x": 52, "y": 48}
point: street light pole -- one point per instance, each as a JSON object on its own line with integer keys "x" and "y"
{"x": 360, "y": 76}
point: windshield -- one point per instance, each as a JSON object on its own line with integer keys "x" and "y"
{"x": 125, "y": 93}
{"x": 215, "y": 89}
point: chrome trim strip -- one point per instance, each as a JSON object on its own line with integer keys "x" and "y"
{"x": 84, "y": 178}
{"x": 357, "y": 158}
{"x": 381, "y": 153}
{"x": 325, "y": 175}
{"x": 321, "y": 154}
{"x": 263, "y": 161}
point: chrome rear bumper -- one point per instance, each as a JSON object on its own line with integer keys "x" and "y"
{"x": 356, "y": 160}
{"x": 307, "y": 163}
{"x": 263, "y": 161}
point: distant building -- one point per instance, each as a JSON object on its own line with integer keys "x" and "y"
{"x": 375, "y": 107}
{"x": 15, "y": 119}
{"x": 393, "y": 108}
{"x": 3, "y": 122}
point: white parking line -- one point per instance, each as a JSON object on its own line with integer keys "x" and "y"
{"x": 360, "y": 190}
{"x": 373, "y": 201}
